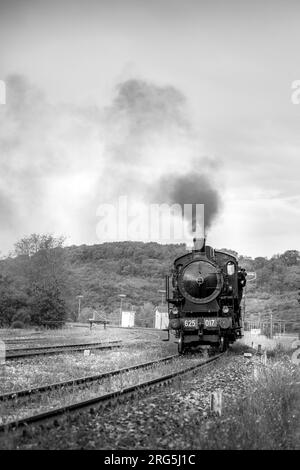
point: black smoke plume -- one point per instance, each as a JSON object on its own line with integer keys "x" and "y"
{"x": 191, "y": 188}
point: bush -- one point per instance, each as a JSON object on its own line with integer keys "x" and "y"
{"x": 48, "y": 307}
{"x": 17, "y": 324}
{"x": 22, "y": 315}
{"x": 12, "y": 299}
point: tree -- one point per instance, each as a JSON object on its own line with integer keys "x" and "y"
{"x": 260, "y": 262}
{"x": 34, "y": 243}
{"x": 41, "y": 260}
{"x": 85, "y": 314}
{"x": 12, "y": 301}
{"x": 145, "y": 315}
{"x": 48, "y": 307}
{"x": 290, "y": 257}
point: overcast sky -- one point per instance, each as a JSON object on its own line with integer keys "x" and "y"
{"x": 215, "y": 79}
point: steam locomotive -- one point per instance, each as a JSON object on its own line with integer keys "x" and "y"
{"x": 204, "y": 293}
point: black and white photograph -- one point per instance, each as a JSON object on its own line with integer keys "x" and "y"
{"x": 150, "y": 228}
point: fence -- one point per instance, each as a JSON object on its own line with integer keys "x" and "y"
{"x": 254, "y": 340}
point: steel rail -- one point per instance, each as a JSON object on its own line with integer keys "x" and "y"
{"x": 102, "y": 399}
{"x": 80, "y": 380}
{"x": 44, "y": 350}
{"x": 50, "y": 346}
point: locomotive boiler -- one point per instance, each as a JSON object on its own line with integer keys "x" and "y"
{"x": 204, "y": 293}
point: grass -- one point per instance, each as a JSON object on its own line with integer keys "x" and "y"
{"x": 239, "y": 347}
{"x": 267, "y": 417}
{"x": 138, "y": 346}
{"x": 65, "y": 396}
{"x": 41, "y": 370}
{"x": 15, "y": 339}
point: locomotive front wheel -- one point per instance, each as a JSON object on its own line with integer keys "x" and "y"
{"x": 180, "y": 344}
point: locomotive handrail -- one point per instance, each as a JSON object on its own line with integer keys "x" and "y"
{"x": 167, "y": 289}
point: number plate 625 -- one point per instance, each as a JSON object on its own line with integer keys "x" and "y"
{"x": 190, "y": 323}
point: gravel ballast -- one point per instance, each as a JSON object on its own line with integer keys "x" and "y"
{"x": 172, "y": 417}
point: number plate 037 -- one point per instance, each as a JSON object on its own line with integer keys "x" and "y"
{"x": 190, "y": 324}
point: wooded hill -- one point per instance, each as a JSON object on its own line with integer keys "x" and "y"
{"x": 101, "y": 272}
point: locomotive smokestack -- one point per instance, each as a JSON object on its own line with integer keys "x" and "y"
{"x": 199, "y": 244}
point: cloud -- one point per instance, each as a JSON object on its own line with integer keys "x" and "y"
{"x": 59, "y": 162}
{"x": 43, "y": 147}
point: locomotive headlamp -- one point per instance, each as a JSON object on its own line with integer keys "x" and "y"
{"x": 225, "y": 309}
{"x": 175, "y": 311}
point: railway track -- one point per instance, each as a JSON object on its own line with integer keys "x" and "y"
{"x": 79, "y": 381}
{"x": 103, "y": 399}
{"x": 20, "y": 353}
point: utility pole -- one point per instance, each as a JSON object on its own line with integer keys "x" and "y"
{"x": 162, "y": 292}
{"x": 271, "y": 325}
{"x": 79, "y": 297}
{"x": 122, "y": 296}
